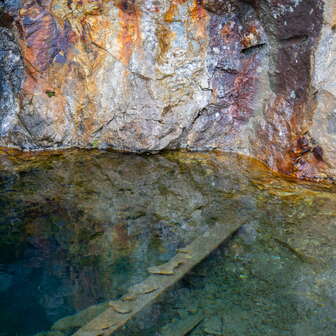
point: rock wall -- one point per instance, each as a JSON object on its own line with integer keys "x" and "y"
{"x": 323, "y": 125}
{"x": 252, "y": 76}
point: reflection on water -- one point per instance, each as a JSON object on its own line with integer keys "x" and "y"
{"x": 78, "y": 228}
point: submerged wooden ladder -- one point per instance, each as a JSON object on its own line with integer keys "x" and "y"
{"x": 162, "y": 278}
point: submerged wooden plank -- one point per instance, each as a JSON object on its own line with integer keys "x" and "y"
{"x": 162, "y": 278}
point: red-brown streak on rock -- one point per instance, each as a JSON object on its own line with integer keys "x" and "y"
{"x": 267, "y": 143}
{"x": 289, "y": 116}
{"x": 239, "y": 84}
{"x": 291, "y": 155}
{"x": 41, "y": 41}
{"x": 199, "y": 17}
{"x": 227, "y": 33}
{"x": 121, "y": 236}
{"x": 306, "y": 155}
{"x": 37, "y": 26}
{"x": 47, "y": 47}
{"x": 129, "y": 37}
{"x": 245, "y": 86}
{"x": 42, "y": 38}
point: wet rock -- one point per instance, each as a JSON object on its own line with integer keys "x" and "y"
{"x": 52, "y": 198}
{"x": 134, "y": 212}
{"x": 213, "y": 326}
{"x": 183, "y": 326}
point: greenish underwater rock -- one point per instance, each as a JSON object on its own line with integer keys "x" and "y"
{"x": 5, "y": 281}
{"x": 213, "y": 326}
{"x": 50, "y": 333}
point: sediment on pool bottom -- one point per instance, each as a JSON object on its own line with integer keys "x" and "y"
{"x": 108, "y": 317}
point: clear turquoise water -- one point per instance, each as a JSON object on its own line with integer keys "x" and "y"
{"x": 78, "y": 228}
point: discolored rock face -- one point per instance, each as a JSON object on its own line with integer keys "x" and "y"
{"x": 251, "y": 76}
{"x": 323, "y": 124}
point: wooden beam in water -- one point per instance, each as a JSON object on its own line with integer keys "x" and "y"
{"x": 162, "y": 278}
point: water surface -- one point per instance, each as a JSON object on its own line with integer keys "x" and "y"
{"x": 78, "y": 228}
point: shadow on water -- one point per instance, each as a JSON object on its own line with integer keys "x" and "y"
{"x": 78, "y": 228}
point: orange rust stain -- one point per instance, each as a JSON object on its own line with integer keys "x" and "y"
{"x": 293, "y": 157}
{"x": 305, "y": 163}
{"x": 228, "y": 33}
{"x": 253, "y": 30}
{"x": 226, "y": 30}
{"x": 199, "y": 17}
{"x": 129, "y": 36}
{"x": 170, "y": 14}
{"x": 197, "y": 11}
{"x": 32, "y": 51}
{"x": 252, "y": 36}
{"x": 84, "y": 58}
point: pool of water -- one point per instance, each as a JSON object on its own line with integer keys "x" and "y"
{"x": 77, "y": 228}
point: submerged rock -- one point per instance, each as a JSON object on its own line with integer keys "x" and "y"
{"x": 5, "y": 281}
{"x": 213, "y": 326}
{"x": 182, "y": 327}
{"x": 146, "y": 208}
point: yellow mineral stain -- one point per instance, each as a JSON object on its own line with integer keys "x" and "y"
{"x": 129, "y": 36}
{"x": 91, "y": 54}
{"x": 171, "y": 12}
{"x": 165, "y": 37}
{"x": 199, "y": 17}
